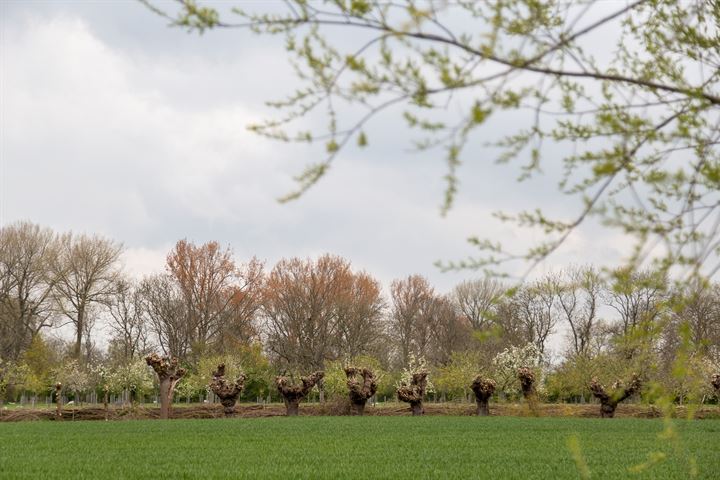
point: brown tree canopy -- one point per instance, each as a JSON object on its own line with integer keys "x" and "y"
{"x": 319, "y": 310}
{"x": 360, "y": 317}
{"x": 411, "y": 316}
{"x": 450, "y": 331}
{"x": 205, "y": 302}
{"x": 220, "y": 297}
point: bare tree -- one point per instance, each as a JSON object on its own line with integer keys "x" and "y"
{"x": 360, "y": 317}
{"x": 699, "y": 307}
{"x": 477, "y": 301}
{"x": 164, "y": 311}
{"x": 220, "y": 298}
{"x": 410, "y": 319}
{"x": 534, "y": 304}
{"x": 300, "y": 308}
{"x": 86, "y": 270}
{"x": 578, "y": 300}
{"x": 511, "y": 328}
{"x": 450, "y": 332}
{"x": 126, "y": 321}
{"x": 27, "y": 284}
{"x": 204, "y": 303}
{"x": 637, "y": 297}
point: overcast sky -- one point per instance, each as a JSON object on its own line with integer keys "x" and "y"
{"x": 113, "y": 123}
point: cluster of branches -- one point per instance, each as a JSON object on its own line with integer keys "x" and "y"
{"x": 625, "y": 95}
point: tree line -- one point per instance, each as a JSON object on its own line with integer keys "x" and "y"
{"x": 321, "y": 314}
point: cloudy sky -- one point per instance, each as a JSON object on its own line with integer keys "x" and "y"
{"x": 113, "y": 123}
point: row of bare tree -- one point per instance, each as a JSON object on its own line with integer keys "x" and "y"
{"x": 308, "y": 311}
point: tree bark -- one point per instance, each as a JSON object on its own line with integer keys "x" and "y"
{"x": 527, "y": 382}
{"x": 483, "y": 389}
{"x": 357, "y": 409}
{"x": 292, "y": 394}
{"x": 105, "y": 401}
{"x": 169, "y": 374}
{"x": 292, "y": 407}
{"x": 527, "y": 385}
{"x": 483, "y": 408}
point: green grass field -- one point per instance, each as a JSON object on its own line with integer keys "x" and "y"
{"x": 363, "y": 448}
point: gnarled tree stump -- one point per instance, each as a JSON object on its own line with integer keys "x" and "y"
{"x": 227, "y": 392}
{"x": 169, "y": 373}
{"x": 58, "y": 400}
{"x": 360, "y": 391}
{"x": 715, "y": 382}
{"x": 484, "y": 389}
{"x": 609, "y": 400}
{"x": 527, "y": 385}
{"x": 106, "y": 394}
{"x": 415, "y": 392}
{"x": 292, "y": 394}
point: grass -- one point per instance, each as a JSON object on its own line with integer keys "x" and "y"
{"x": 368, "y": 447}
